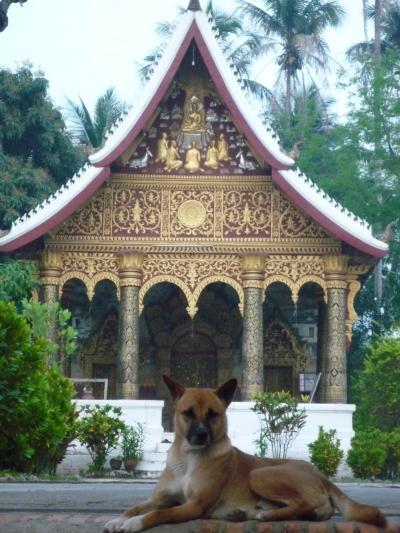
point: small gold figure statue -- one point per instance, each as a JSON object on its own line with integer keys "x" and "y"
{"x": 172, "y": 161}
{"x": 193, "y": 159}
{"x": 212, "y": 156}
{"x": 162, "y": 148}
{"x": 223, "y": 154}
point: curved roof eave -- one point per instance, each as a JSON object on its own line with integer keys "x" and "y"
{"x": 334, "y": 218}
{"x": 193, "y": 25}
{"x": 55, "y": 209}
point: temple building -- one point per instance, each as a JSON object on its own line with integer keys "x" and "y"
{"x": 190, "y": 244}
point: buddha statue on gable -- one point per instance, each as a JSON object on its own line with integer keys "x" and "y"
{"x": 193, "y": 124}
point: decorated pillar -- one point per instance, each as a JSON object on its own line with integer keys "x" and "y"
{"x": 50, "y": 267}
{"x": 252, "y": 348}
{"x": 353, "y": 287}
{"x": 130, "y": 274}
{"x": 334, "y": 361}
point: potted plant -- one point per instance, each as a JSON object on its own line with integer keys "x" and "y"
{"x": 132, "y": 446}
{"x": 116, "y": 462}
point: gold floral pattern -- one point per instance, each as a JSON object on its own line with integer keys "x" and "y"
{"x": 247, "y": 214}
{"x": 136, "y": 212}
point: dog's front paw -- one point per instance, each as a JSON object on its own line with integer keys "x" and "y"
{"x": 132, "y": 524}
{"x": 114, "y": 525}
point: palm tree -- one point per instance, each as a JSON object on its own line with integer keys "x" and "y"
{"x": 239, "y": 45}
{"x": 386, "y": 15}
{"x": 294, "y": 29}
{"x": 88, "y": 129}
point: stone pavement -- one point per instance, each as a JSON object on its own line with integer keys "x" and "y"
{"x": 86, "y": 507}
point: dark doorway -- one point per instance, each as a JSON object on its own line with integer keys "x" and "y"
{"x": 194, "y": 361}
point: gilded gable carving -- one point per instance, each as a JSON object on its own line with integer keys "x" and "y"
{"x": 215, "y": 211}
{"x": 136, "y": 211}
{"x": 87, "y": 221}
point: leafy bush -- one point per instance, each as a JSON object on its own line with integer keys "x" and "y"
{"x": 367, "y": 454}
{"x": 281, "y": 420}
{"x": 99, "y": 430}
{"x": 325, "y": 452}
{"x": 42, "y": 318}
{"x": 36, "y": 412}
{"x": 377, "y": 387}
{"x": 17, "y": 281}
{"x": 391, "y": 468}
{"x": 132, "y": 442}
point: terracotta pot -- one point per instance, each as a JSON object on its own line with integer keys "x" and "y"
{"x": 115, "y": 463}
{"x": 130, "y": 464}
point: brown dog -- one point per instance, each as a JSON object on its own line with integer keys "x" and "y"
{"x": 206, "y": 477}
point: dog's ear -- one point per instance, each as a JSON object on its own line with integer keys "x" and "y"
{"x": 227, "y": 390}
{"x": 175, "y": 389}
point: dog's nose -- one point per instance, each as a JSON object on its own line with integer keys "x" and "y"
{"x": 199, "y": 435}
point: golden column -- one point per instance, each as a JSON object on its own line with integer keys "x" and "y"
{"x": 252, "y": 347}
{"x": 130, "y": 275}
{"x": 50, "y": 266}
{"x": 333, "y": 362}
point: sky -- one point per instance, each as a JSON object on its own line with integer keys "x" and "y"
{"x": 86, "y": 46}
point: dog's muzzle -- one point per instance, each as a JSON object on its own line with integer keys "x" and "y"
{"x": 199, "y": 434}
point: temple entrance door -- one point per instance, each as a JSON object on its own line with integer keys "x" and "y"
{"x": 194, "y": 361}
{"x": 278, "y": 378}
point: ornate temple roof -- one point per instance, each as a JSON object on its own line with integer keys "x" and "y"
{"x": 194, "y": 26}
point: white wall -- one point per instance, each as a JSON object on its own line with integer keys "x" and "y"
{"x": 243, "y": 426}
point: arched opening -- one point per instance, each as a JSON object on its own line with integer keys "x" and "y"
{"x": 96, "y": 322}
{"x": 202, "y": 351}
{"x": 74, "y": 297}
{"x": 291, "y": 332}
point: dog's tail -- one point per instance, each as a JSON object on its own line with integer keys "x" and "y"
{"x": 352, "y": 510}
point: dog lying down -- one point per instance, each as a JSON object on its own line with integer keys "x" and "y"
{"x": 206, "y": 477}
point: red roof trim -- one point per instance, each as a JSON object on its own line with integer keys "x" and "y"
{"x": 58, "y": 217}
{"x": 330, "y": 226}
{"x": 240, "y": 120}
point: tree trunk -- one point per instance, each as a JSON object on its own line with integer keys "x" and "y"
{"x": 288, "y": 96}
{"x": 378, "y": 21}
{"x": 365, "y": 19}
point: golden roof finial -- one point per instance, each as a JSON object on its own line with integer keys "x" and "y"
{"x": 194, "y": 5}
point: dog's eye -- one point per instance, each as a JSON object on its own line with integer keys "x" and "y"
{"x": 212, "y": 415}
{"x": 189, "y": 413}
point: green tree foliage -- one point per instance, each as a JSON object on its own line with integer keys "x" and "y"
{"x": 90, "y": 129}
{"x": 325, "y": 452}
{"x": 18, "y": 280}
{"x": 377, "y": 386}
{"x": 43, "y": 318}
{"x": 100, "y": 430}
{"x": 294, "y": 29}
{"x": 37, "y": 416}
{"x": 36, "y": 153}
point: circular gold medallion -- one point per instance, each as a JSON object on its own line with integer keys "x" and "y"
{"x": 192, "y": 213}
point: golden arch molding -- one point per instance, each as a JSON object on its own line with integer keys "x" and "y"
{"x": 220, "y": 279}
{"x": 192, "y": 297}
{"x": 90, "y": 282}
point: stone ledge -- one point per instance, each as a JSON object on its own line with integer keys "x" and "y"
{"x": 253, "y": 526}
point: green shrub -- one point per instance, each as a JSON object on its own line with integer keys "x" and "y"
{"x": 325, "y": 452}
{"x": 36, "y": 412}
{"x": 99, "y": 430}
{"x": 281, "y": 420}
{"x": 132, "y": 442}
{"x": 391, "y": 468}
{"x": 377, "y": 387}
{"x": 367, "y": 454}
{"x": 18, "y": 279}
